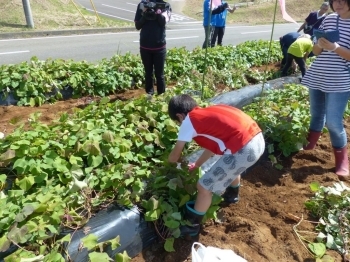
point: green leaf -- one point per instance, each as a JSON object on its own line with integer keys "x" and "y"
{"x": 319, "y": 249}
{"x": 330, "y": 241}
{"x": 53, "y": 256}
{"x": 92, "y": 147}
{"x": 15, "y": 193}
{"x": 27, "y": 210}
{"x": 122, "y": 257}
{"x": 20, "y": 165}
{"x": 172, "y": 184}
{"x": 153, "y": 203}
{"x": 66, "y": 238}
{"x": 152, "y": 215}
{"x": 108, "y": 136}
{"x": 104, "y": 100}
{"x": 90, "y": 241}
{"x": 94, "y": 161}
{"x": 99, "y": 257}
{"x": 18, "y": 235}
{"x": 4, "y": 243}
{"x": 172, "y": 224}
{"x": 169, "y": 244}
{"x": 77, "y": 161}
{"x": 25, "y": 183}
{"x": 184, "y": 200}
{"x": 32, "y": 102}
{"x": 176, "y": 233}
{"x": 314, "y": 186}
{"x": 115, "y": 243}
{"x": 176, "y": 215}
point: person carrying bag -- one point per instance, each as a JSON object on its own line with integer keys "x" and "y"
{"x": 314, "y": 20}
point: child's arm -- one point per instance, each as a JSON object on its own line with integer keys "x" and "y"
{"x": 204, "y": 157}
{"x": 175, "y": 154}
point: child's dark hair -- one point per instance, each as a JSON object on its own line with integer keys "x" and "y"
{"x": 181, "y": 104}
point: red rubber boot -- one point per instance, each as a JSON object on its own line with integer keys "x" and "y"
{"x": 312, "y": 137}
{"x": 341, "y": 163}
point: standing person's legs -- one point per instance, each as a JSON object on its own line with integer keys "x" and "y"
{"x": 318, "y": 117}
{"x": 159, "y": 61}
{"x": 214, "y": 36}
{"x": 335, "y": 107}
{"x": 317, "y": 109}
{"x": 208, "y": 30}
{"x": 301, "y": 63}
{"x": 147, "y": 61}
{"x": 289, "y": 61}
{"x": 221, "y": 35}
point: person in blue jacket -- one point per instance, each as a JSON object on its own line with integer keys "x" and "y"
{"x": 219, "y": 23}
{"x": 208, "y": 28}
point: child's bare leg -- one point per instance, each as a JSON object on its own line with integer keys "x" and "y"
{"x": 236, "y": 182}
{"x": 203, "y": 200}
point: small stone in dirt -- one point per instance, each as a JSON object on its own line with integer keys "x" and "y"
{"x": 221, "y": 218}
{"x": 223, "y": 238}
{"x": 258, "y": 184}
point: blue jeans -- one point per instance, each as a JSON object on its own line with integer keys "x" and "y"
{"x": 328, "y": 109}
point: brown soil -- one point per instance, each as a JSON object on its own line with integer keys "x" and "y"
{"x": 258, "y": 228}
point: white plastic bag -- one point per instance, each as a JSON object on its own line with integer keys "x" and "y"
{"x": 214, "y": 254}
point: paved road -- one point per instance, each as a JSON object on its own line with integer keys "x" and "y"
{"x": 125, "y": 9}
{"x": 181, "y": 32}
{"x": 98, "y": 46}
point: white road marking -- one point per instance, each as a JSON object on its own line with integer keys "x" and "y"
{"x": 256, "y": 32}
{"x": 118, "y": 33}
{"x": 14, "y": 52}
{"x": 119, "y": 8}
{"x": 110, "y": 15}
{"x": 64, "y": 36}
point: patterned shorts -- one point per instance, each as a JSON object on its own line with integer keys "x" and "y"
{"x": 228, "y": 167}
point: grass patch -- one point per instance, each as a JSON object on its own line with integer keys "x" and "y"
{"x": 257, "y": 12}
{"x": 51, "y": 15}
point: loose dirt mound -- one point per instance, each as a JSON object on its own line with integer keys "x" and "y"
{"x": 258, "y": 228}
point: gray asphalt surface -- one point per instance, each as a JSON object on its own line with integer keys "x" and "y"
{"x": 181, "y": 32}
{"x": 125, "y": 10}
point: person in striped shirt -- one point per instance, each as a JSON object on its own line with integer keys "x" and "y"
{"x": 221, "y": 130}
{"x": 328, "y": 80}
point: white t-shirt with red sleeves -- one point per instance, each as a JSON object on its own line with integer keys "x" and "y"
{"x": 221, "y": 129}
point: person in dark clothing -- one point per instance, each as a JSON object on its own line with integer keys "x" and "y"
{"x": 151, "y": 21}
{"x": 314, "y": 20}
{"x": 285, "y": 42}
